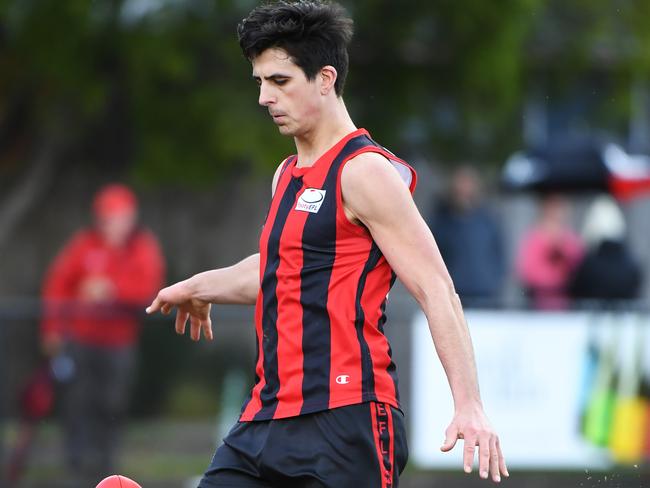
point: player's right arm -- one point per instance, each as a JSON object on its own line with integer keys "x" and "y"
{"x": 193, "y": 298}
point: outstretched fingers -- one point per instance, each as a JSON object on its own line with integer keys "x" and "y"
{"x": 155, "y": 305}
{"x": 181, "y": 321}
{"x": 469, "y": 450}
{"x": 484, "y": 443}
{"x": 195, "y": 328}
{"x": 476, "y": 432}
{"x": 159, "y": 305}
{"x": 198, "y": 325}
{"x": 494, "y": 460}
{"x": 451, "y": 436}
{"x": 502, "y": 460}
{"x": 195, "y": 310}
{"x": 206, "y": 325}
{"x": 491, "y": 461}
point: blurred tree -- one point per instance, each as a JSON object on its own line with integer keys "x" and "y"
{"x": 453, "y": 69}
{"x": 154, "y": 84}
{"x": 159, "y": 87}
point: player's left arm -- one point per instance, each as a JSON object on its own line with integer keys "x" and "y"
{"x": 375, "y": 196}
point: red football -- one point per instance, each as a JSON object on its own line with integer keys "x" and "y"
{"x": 117, "y": 481}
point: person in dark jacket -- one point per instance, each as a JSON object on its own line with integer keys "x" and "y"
{"x": 608, "y": 271}
{"x": 470, "y": 241}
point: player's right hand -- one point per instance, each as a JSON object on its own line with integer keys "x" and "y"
{"x": 179, "y": 296}
{"x": 471, "y": 425}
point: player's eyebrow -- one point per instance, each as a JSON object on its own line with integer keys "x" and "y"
{"x": 273, "y": 77}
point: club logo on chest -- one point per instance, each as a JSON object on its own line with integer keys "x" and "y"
{"x": 310, "y": 200}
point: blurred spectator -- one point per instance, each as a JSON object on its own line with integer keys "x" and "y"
{"x": 94, "y": 292}
{"x": 548, "y": 256}
{"x": 470, "y": 240}
{"x": 608, "y": 270}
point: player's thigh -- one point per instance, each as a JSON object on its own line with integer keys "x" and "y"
{"x": 354, "y": 446}
{"x": 380, "y": 452}
{"x": 234, "y": 463}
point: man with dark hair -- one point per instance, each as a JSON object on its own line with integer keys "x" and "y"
{"x": 314, "y": 34}
{"x": 341, "y": 226}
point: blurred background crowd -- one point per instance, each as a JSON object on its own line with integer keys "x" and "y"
{"x": 133, "y": 154}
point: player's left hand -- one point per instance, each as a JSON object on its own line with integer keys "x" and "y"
{"x": 473, "y": 427}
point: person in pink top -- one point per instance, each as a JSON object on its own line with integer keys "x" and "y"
{"x": 548, "y": 255}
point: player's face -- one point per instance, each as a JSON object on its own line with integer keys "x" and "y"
{"x": 292, "y": 101}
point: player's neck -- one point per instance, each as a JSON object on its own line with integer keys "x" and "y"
{"x": 333, "y": 124}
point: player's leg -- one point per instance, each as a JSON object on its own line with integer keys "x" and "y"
{"x": 346, "y": 447}
{"x": 235, "y": 462}
{"x": 389, "y": 439}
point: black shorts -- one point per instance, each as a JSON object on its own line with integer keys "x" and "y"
{"x": 356, "y": 446}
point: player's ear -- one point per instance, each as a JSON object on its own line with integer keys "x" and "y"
{"x": 328, "y": 77}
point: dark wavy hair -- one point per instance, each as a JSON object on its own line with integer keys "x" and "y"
{"x": 313, "y": 33}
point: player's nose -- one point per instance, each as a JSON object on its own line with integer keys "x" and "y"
{"x": 266, "y": 97}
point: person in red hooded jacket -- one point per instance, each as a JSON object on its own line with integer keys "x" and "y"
{"x": 92, "y": 294}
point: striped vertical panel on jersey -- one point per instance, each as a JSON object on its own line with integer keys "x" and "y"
{"x": 373, "y": 300}
{"x": 270, "y": 303}
{"x": 392, "y": 369}
{"x": 318, "y": 262}
{"x": 368, "y": 380}
{"x": 252, "y": 403}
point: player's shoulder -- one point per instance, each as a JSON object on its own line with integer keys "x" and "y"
{"x": 367, "y": 167}
{"x": 370, "y": 155}
{"x": 377, "y": 165}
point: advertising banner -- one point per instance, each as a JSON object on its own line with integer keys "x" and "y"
{"x": 564, "y": 390}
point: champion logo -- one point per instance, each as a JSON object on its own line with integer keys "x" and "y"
{"x": 343, "y": 379}
{"x": 310, "y": 200}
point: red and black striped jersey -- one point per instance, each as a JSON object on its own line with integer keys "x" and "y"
{"x": 324, "y": 284}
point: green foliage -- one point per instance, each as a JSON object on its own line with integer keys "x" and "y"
{"x": 194, "y": 100}
{"x": 461, "y": 67}
{"x": 447, "y": 78}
